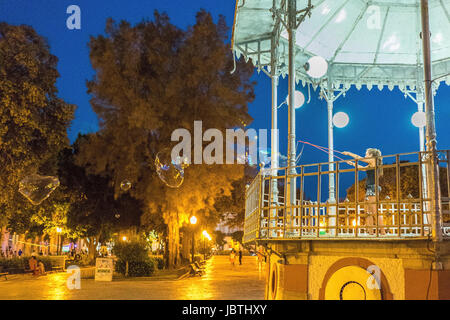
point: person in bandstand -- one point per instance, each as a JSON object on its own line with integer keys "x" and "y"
{"x": 374, "y": 160}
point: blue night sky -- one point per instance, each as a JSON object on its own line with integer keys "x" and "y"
{"x": 377, "y": 119}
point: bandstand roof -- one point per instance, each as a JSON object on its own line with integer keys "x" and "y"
{"x": 373, "y": 43}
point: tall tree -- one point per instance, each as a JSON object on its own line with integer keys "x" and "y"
{"x": 150, "y": 80}
{"x": 33, "y": 120}
{"x": 231, "y": 208}
{"x": 94, "y": 212}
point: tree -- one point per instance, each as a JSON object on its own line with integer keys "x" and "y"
{"x": 94, "y": 212}
{"x": 231, "y": 208}
{"x": 33, "y": 120}
{"x": 150, "y": 80}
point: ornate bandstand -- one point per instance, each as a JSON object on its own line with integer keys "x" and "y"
{"x": 320, "y": 246}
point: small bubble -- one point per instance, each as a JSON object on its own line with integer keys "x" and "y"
{"x": 125, "y": 185}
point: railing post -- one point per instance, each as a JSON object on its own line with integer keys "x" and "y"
{"x": 377, "y": 225}
{"x": 357, "y": 197}
{"x": 260, "y": 201}
{"x": 398, "y": 191}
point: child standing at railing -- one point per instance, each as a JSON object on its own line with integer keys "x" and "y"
{"x": 373, "y": 159}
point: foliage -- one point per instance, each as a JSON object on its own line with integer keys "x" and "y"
{"x": 237, "y": 236}
{"x": 231, "y": 208}
{"x": 131, "y": 251}
{"x": 136, "y": 268}
{"x": 219, "y": 238}
{"x": 136, "y": 254}
{"x": 150, "y": 79}
{"x": 33, "y": 120}
{"x": 158, "y": 262}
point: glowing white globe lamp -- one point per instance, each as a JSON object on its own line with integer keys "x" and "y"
{"x": 340, "y": 120}
{"x": 299, "y": 99}
{"x": 316, "y": 67}
{"x": 419, "y": 119}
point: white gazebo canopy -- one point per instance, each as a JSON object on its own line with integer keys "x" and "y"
{"x": 373, "y": 43}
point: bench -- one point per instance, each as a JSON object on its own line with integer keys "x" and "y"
{"x": 199, "y": 266}
{"x": 58, "y": 269}
{"x": 4, "y": 274}
{"x": 195, "y": 270}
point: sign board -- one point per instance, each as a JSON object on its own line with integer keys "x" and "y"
{"x": 104, "y": 268}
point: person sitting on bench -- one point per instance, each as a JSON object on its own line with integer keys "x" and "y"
{"x": 41, "y": 268}
{"x": 33, "y": 263}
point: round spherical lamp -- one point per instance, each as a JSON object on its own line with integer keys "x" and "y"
{"x": 299, "y": 99}
{"x": 340, "y": 120}
{"x": 419, "y": 119}
{"x": 316, "y": 67}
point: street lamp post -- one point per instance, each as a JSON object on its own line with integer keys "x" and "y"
{"x": 193, "y": 221}
{"x": 58, "y": 249}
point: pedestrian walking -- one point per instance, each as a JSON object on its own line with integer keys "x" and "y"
{"x": 240, "y": 256}
{"x": 261, "y": 257}
{"x": 232, "y": 257}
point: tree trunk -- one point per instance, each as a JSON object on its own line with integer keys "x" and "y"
{"x": 92, "y": 248}
{"x": 173, "y": 232}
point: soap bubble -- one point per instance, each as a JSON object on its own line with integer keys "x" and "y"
{"x": 170, "y": 171}
{"x": 125, "y": 185}
{"x": 37, "y": 188}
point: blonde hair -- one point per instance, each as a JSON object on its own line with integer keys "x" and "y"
{"x": 376, "y": 153}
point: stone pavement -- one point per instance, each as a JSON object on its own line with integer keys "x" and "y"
{"x": 220, "y": 282}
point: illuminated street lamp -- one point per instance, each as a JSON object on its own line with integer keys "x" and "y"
{"x": 124, "y": 238}
{"x": 205, "y": 236}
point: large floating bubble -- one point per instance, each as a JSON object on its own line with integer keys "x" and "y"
{"x": 170, "y": 171}
{"x": 37, "y": 188}
{"x": 125, "y": 185}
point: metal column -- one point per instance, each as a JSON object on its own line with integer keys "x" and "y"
{"x": 292, "y": 25}
{"x": 274, "y": 137}
{"x": 433, "y": 165}
{"x": 331, "y": 183}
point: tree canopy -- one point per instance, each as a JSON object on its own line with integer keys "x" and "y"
{"x": 33, "y": 120}
{"x": 151, "y": 79}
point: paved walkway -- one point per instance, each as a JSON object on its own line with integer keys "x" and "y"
{"x": 220, "y": 282}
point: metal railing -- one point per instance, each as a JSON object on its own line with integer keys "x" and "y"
{"x": 400, "y": 208}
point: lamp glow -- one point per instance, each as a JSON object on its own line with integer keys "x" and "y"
{"x": 206, "y": 235}
{"x": 59, "y": 230}
{"x": 419, "y": 119}
{"x": 316, "y": 67}
{"x": 299, "y": 99}
{"x": 341, "y": 119}
{"x": 193, "y": 220}
{"x": 124, "y": 238}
